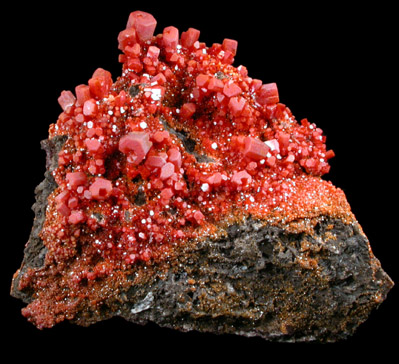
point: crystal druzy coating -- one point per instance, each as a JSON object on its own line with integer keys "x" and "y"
{"x": 181, "y": 144}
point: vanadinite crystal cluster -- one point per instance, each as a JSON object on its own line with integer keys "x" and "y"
{"x": 181, "y": 153}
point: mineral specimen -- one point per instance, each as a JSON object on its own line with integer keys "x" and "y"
{"x": 184, "y": 193}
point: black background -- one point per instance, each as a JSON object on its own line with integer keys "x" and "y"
{"x": 333, "y": 64}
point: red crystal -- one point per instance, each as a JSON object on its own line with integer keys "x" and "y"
{"x": 63, "y": 209}
{"x": 143, "y": 23}
{"x": 127, "y": 38}
{"x": 189, "y": 37}
{"x": 188, "y": 110}
{"x": 167, "y": 171}
{"x": 155, "y": 161}
{"x": 135, "y": 144}
{"x": 230, "y": 45}
{"x": 100, "y": 189}
{"x": 153, "y": 52}
{"x": 268, "y": 94}
{"x": 66, "y": 100}
{"x": 63, "y": 196}
{"x": 100, "y": 83}
{"x": 90, "y": 107}
{"x": 174, "y": 156}
{"x": 76, "y": 179}
{"x": 236, "y": 105}
{"x": 231, "y": 89}
{"x": 255, "y": 148}
{"x": 202, "y": 80}
{"x": 329, "y": 154}
{"x": 93, "y": 145}
{"x": 82, "y": 93}
{"x": 76, "y": 217}
{"x": 215, "y": 85}
{"x": 166, "y": 194}
{"x": 170, "y": 37}
{"x": 241, "y": 178}
{"x": 199, "y": 217}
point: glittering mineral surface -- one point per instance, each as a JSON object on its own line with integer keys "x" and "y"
{"x": 182, "y": 145}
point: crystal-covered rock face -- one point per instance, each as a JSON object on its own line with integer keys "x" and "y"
{"x": 164, "y": 160}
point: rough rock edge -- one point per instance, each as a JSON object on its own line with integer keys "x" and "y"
{"x": 35, "y": 251}
{"x": 260, "y": 280}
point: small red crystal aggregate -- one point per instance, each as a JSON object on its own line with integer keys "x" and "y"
{"x": 128, "y": 189}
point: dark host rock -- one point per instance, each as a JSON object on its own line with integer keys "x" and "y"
{"x": 263, "y": 281}
{"x": 259, "y": 280}
{"x": 35, "y": 251}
